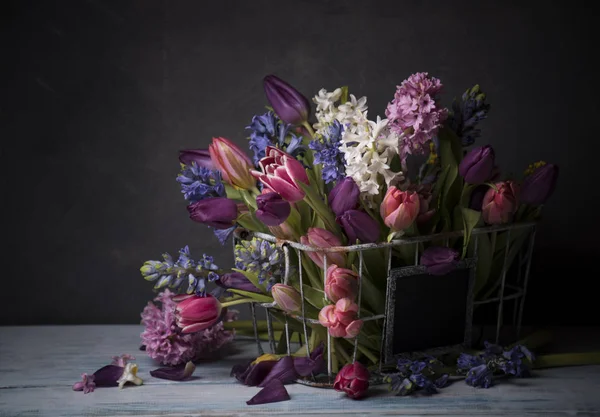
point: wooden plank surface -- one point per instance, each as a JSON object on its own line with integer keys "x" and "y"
{"x": 38, "y": 365}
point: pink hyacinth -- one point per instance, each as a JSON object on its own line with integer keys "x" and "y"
{"x": 164, "y": 341}
{"x": 415, "y": 114}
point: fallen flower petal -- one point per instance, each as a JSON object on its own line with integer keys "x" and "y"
{"x": 130, "y": 375}
{"x": 108, "y": 375}
{"x": 310, "y": 365}
{"x": 273, "y": 392}
{"x": 175, "y": 373}
{"x": 122, "y": 360}
{"x": 86, "y": 384}
{"x": 283, "y": 371}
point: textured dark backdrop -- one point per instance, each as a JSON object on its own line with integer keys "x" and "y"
{"x": 98, "y": 97}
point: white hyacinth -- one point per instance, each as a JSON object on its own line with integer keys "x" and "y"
{"x": 368, "y": 146}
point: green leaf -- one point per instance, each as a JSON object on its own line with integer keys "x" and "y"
{"x": 232, "y": 193}
{"x": 316, "y": 202}
{"x": 450, "y": 151}
{"x": 439, "y": 186}
{"x": 470, "y": 220}
{"x": 375, "y": 263}
{"x": 484, "y": 261}
{"x": 313, "y": 296}
{"x": 306, "y": 216}
{"x": 258, "y": 297}
{"x": 371, "y": 295}
{"x": 252, "y": 277}
{"x": 344, "y": 97}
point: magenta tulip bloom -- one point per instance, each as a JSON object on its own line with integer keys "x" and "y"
{"x": 281, "y": 173}
{"x": 197, "y": 313}
{"x": 399, "y": 209}
{"x": 344, "y": 196}
{"x": 322, "y": 238}
{"x": 217, "y": 212}
{"x": 341, "y": 319}
{"x": 478, "y": 165}
{"x": 539, "y": 185}
{"x": 233, "y": 163}
{"x": 358, "y": 225}
{"x": 353, "y": 379}
{"x": 272, "y": 209}
{"x": 200, "y": 156}
{"x": 341, "y": 283}
{"x": 291, "y": 106}
{"x": 286, "y": 297}
{"x": 439, "y": 260}
{"x": 500, "y": 203}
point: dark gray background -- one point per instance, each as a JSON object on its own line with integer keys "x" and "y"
{"x": 98, "y": 97}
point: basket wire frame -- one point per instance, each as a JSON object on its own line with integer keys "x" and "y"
{"x": 518, "y": 291}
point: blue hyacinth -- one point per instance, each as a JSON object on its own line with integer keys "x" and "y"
{"x": 269, "y": 130}
{"x": 422, "y": 375}
{"x": 327, "y": 153}
{"x": 261, "y": 258}
{"x": 198, "y": 183}
{"x": 467, "y": 113}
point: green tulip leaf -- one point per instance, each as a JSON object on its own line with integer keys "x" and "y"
{"x": 484, "y": 261}
{"x": 371, "y": 295}
{"x": 258, "y": 297}
{"x": 313, "y": 296}
{"x": 344, "y": 96}
{"x": 470, "y": 220}
{"x": 252, "y": 277}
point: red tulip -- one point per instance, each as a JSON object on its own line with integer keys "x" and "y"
{"x": 353, "y": 379}
{"x": 281, "y": 173}
{"x": 322, "y": 238}
{"x": 500, "y": 203}
{"x": 399, "y": 209}
{"x": 233, "y": 163}
{"x": 340, "y": 283}
{"x": 196, "y": 313}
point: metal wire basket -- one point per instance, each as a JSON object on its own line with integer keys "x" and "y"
{"x": 503, "y": 291}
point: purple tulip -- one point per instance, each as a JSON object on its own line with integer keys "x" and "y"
{"x": 344, "y": 196}
{"x": 477, "y": 166}
{"x": 200, "y": 156}
{"x": 439, "y": 260}
{"x": 291, "y": 106}
{"x": 272, "y": 210}
{"x": 539, "y": 185}
{"x": 217, "y": 212}
{"x": 238, "y": 281}
{"x": 358, "y": 225}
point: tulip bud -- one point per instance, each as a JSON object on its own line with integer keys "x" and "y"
{"x": 200, "y": 156}
{"x": 539, "y": 185}
{"x": 233, "y": 163}
{"x": 477, "y": 166}
{"x": 341, "y": 319}
{"x": 344, "y": 196}
{"x": 287, "y": 298}
{"x": 291, "y": 106}
{"x": 196, "y": 313}
{"x": 500, "y": 203}
{"x": 340, "y": 283}
{"x": 358, "y": 225}
{"x": 353, "y": 379}
{"x": 425, "y": 196}
{"x": 217, "y": 212}
{"x": 272, "y": 209}
{"x": 399, "y": 209}
{"x": 237, "y": 281}
{"x": 439, "y": 260}
{"x": 322, "y": 238}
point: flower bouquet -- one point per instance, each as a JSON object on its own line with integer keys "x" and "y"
{"x": 313, "y": 190}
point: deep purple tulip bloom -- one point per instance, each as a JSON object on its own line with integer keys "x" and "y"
{"x": 358, "y": 225}
{"x": 200, "y": 156}
{"x": 539, "y": 186}
{"x": 477, "y": 166}
{"x": 272, "y": 209}
{"x": 237, "y": 281}
{"x": 217, "y": 212}
{"x": 439, "y": 260}
{"x": 344, "y": 196}
{"x": 291, "y": 106}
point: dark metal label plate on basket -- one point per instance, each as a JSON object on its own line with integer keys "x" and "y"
{"x": 428, "y": 314}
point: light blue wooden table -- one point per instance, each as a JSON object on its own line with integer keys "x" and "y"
{"x": 38, "y": 366}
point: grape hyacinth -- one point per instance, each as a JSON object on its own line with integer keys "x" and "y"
{"x": 415, "y": 114}
{"x": 164, "y": 342}
{"x": 422, "y": 375}
{"x": 327, "y": 153}
{"x": 261, "y": 258}
{"x": 269, "y": 130}
{"x": 174, "y": 274}
{"x": 467, "y": 113}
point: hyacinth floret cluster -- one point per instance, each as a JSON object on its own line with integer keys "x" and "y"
{"x": 172, "y": 274}
{"x": 198, "y": 183}
{"x": 163, "y": 340}
{"x": 479, "y": 369}
{"x": 415, "y": 114}
{"x": 422, "y": 375}
{"x": 268, "y": 130}
{"x": 262, "y": 258}
{"x": 467, "y": 113}
{"x": 328, "y": 154}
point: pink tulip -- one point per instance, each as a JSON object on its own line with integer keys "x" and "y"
{"x": 500, "y": 203}
{"x": 322, "y": 238}
{"x": 287, "y": 297}
{"x": 399, "y": 209}
{"x": 195, "y": 313}
{"x": 353, "y": 379}
{"x": 281, "y": 173}
{"x": 233, "y": 163}
{"x": 426, "y": 212}
{"x": 340, "y": 283}
{"x": 341, "y": 319}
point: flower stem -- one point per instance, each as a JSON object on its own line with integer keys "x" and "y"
{"x": 567, "y": 359}
{"x": 247, "y": 324}
{"x": 309, "y": 128}
{"x": 236, "y": 302}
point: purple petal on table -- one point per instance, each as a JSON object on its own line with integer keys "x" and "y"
{"x": 175, "y": 373}
{"x": 142, "y": 347}
{"x": 240, "y": 372}
{"x": 273, "y": 392}
{"x": 258, "y": 372}
{"x": 108, "y": 375}
{"x": 283, "y": 370}
{"x": 310, "y": 365}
